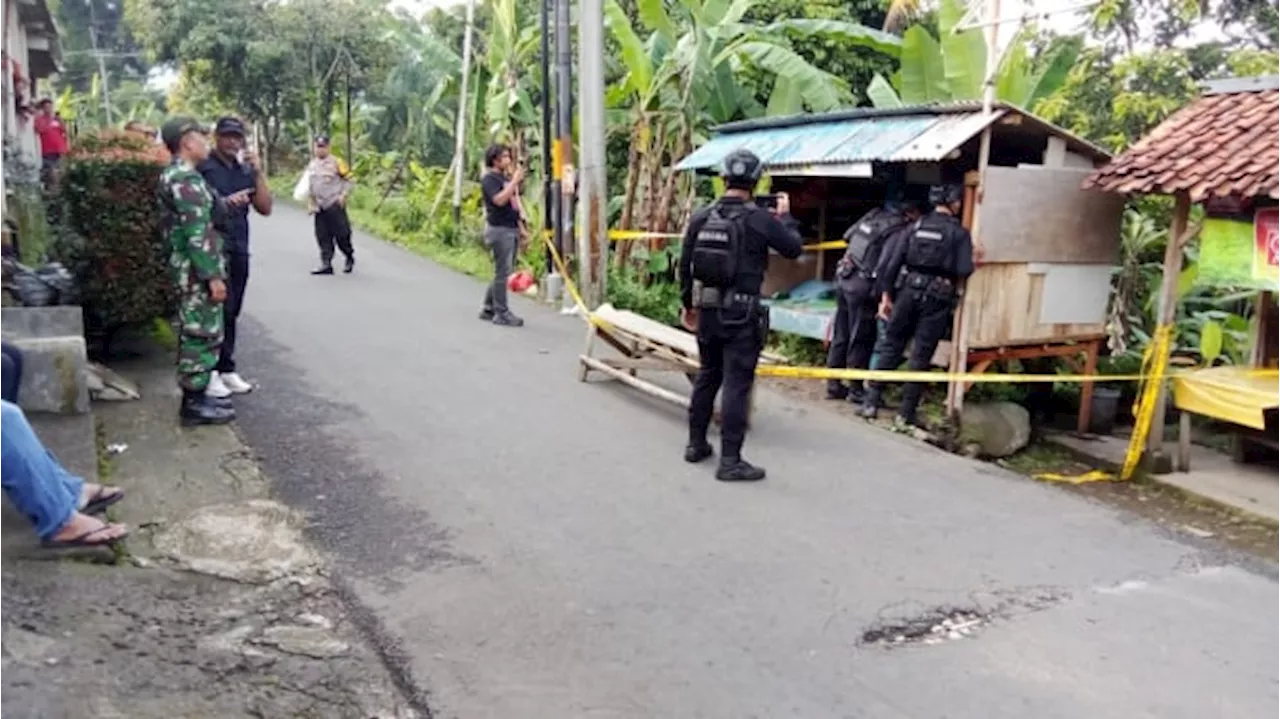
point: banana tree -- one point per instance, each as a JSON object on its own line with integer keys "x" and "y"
{"x": 682, "y": 79}
{"x": 952, "y": 69}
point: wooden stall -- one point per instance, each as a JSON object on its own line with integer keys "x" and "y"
{"x": 1047, "y": 246}
{"x": 1220, "y": 152}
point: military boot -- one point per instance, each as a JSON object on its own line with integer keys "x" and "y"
{"x": 697, "y": 451}
{"x": 197, "y": 409}
{"x": 870, "y": 403}
{"x": 836, "y": 390}
{"x": 325, "y": 268}
{"x": 738, "y": 470}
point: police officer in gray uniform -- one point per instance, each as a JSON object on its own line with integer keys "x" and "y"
{"x": 929, "y": 265}
{"x": 722, "y": 265}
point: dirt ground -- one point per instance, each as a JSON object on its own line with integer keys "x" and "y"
{"x": 1168, "y": 506}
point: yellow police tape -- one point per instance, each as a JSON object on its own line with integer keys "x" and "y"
{"x": 1155, "y": 363}
{"x": 831, "y": 245}
{"x": 628, "y": 235}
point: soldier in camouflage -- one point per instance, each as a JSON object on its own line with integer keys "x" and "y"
{"x": 187, "y": 207}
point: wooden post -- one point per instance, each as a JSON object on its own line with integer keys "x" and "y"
{"x": 959, "y": 359}
{"x": 1086, "y": 388}
{"x": 1156, "y": 460}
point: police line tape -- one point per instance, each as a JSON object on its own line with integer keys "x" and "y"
{"x": 629, "y": 235}
{"x": 1155, "y": 362}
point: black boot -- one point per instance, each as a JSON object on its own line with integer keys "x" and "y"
{"x": 870, "y": 403}
{"x": 857, "y": 395}
{"x": 350, "y": 265}
{"x": 837, "y": 390}
{"x": 198, "y": 409}
{"x": 325, "y": 268}
{"x": 739, "y": 470}
{"x": 697, "y": 451}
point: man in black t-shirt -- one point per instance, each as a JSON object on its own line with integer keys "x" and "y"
{"x": 501, "y": 188}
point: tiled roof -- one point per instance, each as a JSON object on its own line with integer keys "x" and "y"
{"x": 1224, "y": 144}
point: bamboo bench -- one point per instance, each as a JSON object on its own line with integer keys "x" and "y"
{"x": 648, "y": 345}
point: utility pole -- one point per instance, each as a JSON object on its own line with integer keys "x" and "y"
{"x": 102, "y": 64}
{"x": 553, "y": 287}
{"x": 564, "y": 118}
{"x": 460, "y": 140}
{"x": 594, "y": 255}
{"x": 351, "y": 159}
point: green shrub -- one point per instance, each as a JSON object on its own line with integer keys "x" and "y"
{"x": 121, "y": 263}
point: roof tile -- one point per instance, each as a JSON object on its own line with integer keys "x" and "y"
{"x": 1219, "y": 145}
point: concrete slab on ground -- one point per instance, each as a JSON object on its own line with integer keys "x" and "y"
{"x": 1251, "y": 488}
{"x": 228, "y": 613}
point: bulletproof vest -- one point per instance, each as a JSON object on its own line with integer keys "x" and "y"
{"x": 930, "y": 250}
{"x": 865, "y": 238}
{"x": 717, "y": 248}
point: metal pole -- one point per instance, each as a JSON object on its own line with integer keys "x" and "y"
{"x": 595, "y": 202}
{"x": 553, "y": 287}
{"x": 102, "y": 65}
{"x": 351, "y": 159}
{"x": 564, "y": 116}
{"x": 460, "y": 133}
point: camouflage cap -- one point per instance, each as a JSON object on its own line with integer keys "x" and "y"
{"x": 176, "y": 128}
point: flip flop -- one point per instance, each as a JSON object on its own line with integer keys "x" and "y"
{"x": 83, "y": 540}
{"x": 102, "y": 499}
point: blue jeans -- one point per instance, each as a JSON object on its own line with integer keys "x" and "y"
{"x": 33, "y": 480}
{"x": 12, "y": 374}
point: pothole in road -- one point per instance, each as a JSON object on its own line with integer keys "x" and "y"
{"x": 935, "y": 627}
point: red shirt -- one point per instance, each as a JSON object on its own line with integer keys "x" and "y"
{"x": 53, "y": 135}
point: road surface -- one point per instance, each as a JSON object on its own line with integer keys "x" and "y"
{"x": 531, "y": 546}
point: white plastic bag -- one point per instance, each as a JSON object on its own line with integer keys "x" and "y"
{"x": 302, "y": 190}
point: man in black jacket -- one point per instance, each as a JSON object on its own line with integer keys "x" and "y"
{"x": 722, "y": 265}
{"x": 923, "y": 271}
{"x": 853, "y": 332}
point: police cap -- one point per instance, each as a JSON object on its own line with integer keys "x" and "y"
{"x": 741, "y": 168}
{"x": 945, "y": 194}
{"x": 229, "y": 126}
{"x": 176, "y": 128}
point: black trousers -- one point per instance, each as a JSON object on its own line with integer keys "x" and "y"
{"x": 333, "y": 228}
{"x": 853, "y": 331}
{"x": 729, "y": 344}
{"x": 921, "y": 318}
{"x": 237, "y": 281}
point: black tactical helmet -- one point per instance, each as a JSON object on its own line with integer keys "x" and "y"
{"x": 945, "y": 194}
{"x": 741, "y": 169}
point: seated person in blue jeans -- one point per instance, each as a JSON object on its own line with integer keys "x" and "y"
{"x": 59, "y": 505}
{"x": 12, "y": 376}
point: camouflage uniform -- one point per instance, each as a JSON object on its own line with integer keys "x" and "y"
{"x": 187, "y": 207}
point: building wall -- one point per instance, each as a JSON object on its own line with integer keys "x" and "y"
{"x": 17, "y": 130}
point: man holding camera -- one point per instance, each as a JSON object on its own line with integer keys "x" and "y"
{"x": 502, "y": 217}
{"x": 233, "y": 173}
{"x": 722, "y": 263}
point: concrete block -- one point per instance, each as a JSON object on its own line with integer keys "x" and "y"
{"x": 54, "y": 375}
{"x": 39, "y": 322}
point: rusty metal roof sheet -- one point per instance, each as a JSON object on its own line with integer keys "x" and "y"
{"x": 1222, "y": 145}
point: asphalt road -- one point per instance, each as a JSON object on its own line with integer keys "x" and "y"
{"x": 531, "y": 546}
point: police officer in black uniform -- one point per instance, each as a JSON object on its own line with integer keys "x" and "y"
{"x": 853, "y": 331}
{"x": 929, "y": 265}
{"x": 722, "y": 265}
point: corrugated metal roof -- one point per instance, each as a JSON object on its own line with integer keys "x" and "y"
{"x": 874, "y": 138}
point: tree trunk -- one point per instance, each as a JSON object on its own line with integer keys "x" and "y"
{"x": 629, "y": 193}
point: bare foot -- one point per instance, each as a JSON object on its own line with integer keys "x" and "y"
{"x": 85, "y": 531}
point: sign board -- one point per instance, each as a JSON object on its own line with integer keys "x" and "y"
{"x": 1266, "y": 245}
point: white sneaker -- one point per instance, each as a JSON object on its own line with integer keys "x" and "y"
{"x": 217, "y": 388}
{"x": 235, "y": 383}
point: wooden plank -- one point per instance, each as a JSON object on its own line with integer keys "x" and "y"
{"x": 632, "y": 365}
{"x": 648, "y": 388}
{"x": 1003, "y": 307}
{"x": 1044, "y": 216}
